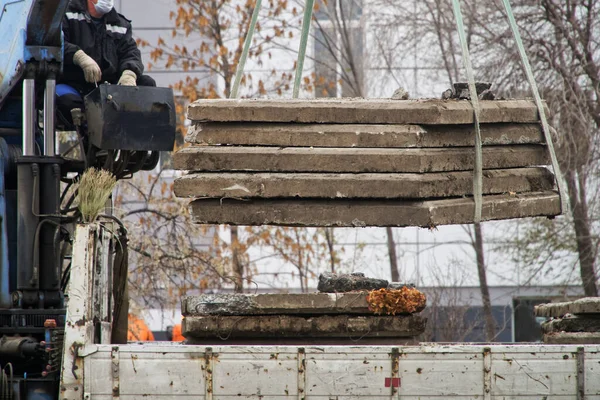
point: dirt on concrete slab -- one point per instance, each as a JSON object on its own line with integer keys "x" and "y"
{"x": 586, "y": 305}
{"x": 340, "y": 283}
{"x": 361, "y": 135}
{"x": 354, "y": 160}
{"x": 276, "y": 304}
{"x": 362, "y": 111}
{"x": 359, "y": 186}
{"x": 572, "y": 338}
{"x": 288, "y": 326}
{"x": 353, "y": 213}
{"x": 583, "y": 323}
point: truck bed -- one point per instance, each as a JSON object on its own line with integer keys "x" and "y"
{"x": 428, "y": 371}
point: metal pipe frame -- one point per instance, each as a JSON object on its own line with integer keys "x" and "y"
{"x": 49, "y": 115}
{"x": 29, "y": 117}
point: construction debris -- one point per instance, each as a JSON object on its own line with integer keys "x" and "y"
{"x": 400, "y": 94}
{"x": 269, "y": 185}
{"x": 574, "y": 322}
{"x": 586, "y": 305}
{"x": 358, "y": 162}
{"x": 461, "y": 91}
{"x": 396, "y": 301}
{"x": 290, "y": 327}
{"x": 334, "y": 283}
{"x": 356, "y": 281}
{"x": 354, "y": 160}
{"x": 359, "y": 135}
{"x": 355, "y": 307}
{"x": 362, "y": 111}
{"x": 572, "y": 338}
{"x": 279, "y": 304}
{"x": 375, "y": 212}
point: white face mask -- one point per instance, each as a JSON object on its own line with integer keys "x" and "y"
{"x": 104, "y": 6}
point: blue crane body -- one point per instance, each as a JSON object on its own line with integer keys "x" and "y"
{"x": 34, "y": 182}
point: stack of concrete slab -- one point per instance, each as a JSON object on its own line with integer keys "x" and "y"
{"x": 575, "y": 322}
{"x": 317, "y": 318}
{"x": 347, "y": 162}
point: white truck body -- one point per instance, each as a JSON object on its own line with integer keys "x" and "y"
{"x": 430, "y": 371}
{"x": 92, "y": 368}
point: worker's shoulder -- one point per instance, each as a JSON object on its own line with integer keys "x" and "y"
{"x": 77, "y": 5}
{"x": 127, "y": 20}
{"x": 115, "y": 19}
{"x": 118, "y": 19}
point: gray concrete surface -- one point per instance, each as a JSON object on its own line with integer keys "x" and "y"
{"x": 360, "y": 186}
{"x": 359, "y": 135}
{"x": 586, "y": 305}
{"x": 361, "y": 111}
{"x": 331, "y": 326}
{"x": 353, "y": 213}
{"x": 355, "y": 160}
{"x": 277, "y": 304}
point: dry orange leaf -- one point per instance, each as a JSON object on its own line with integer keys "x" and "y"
{"x": 397, "y": 301}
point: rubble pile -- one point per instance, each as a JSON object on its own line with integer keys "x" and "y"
{"x": 575, "y": 322}
{"x": 344, "y": 317}
{"x": 359, "y": 162}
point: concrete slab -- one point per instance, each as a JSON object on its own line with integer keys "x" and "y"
{"x": 339, "y": 283}
{"x": 572, "y": 338}
{"x": 586, "y": 305}
{"x": 357, "y": 186}
{"x": 574, "y": 324}
{"x": 355, "y": 160}
{"x": 361, "y": 111}
{"x": 278, "y": 304}
{"x": 354, "y": 213}
{"x": 275, "y": 304}
{"x": 357, "y": 135}
{"x": 287, "y": 326}
{"x": 305, "y": 341}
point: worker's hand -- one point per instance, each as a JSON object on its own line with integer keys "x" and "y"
{"x": 90, "y": 68}
{"x": 128, "y": 78}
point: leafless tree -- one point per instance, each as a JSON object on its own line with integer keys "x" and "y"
{"x": 431, "y": 20}
{"x": 563, "y": 39}
{"x": 169, "y": 256}
{"x": 339, "y": 58}
{"x": 452, "y": 315}
{"x": 563, "y": 42}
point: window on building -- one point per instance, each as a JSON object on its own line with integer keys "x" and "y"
{"x": 527, "y": 326}
{"x": 338, "y": 48}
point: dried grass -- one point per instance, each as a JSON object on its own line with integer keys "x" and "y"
{"x": 94, "y": 189}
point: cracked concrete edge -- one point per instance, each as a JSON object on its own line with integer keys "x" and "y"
{"x": 586, "y": 305}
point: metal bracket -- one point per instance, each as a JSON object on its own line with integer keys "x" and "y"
{"x": 115, "y": 360}
{"x": 208, "y": 373}
{"x": 81, "y": 314}
{"x": 487, "y": 373}
{"x": 395, "y": 368}
{"x": 102, "y": 290}
{"x": 580, "y": 373}
{"x": 301, "y": 373}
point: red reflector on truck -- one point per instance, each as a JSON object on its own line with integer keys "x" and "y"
{"x": 392, "y": 382}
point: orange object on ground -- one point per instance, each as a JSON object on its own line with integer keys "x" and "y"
{"x": 177, "y": 336}
{"x": 138, "y": 331}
